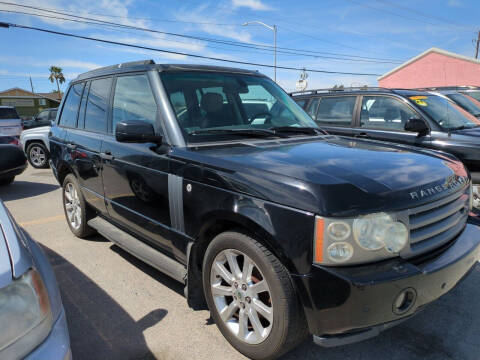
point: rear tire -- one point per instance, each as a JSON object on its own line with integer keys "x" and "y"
{"x": 77, "y": 212}
{"x": 37, "y": 155}
{"x": 7, "y": 180}
{"x": 253, "y": 303}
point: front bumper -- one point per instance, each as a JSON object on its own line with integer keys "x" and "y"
{"x": 13, "y": 172}
{"x": 349, "y": 304}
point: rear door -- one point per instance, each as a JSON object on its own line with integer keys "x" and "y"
{"x": 383, "y": 117}
{"x": 84, "y": 141}
{"x": 10, "y": 123}
{"x": 334, "y": 113}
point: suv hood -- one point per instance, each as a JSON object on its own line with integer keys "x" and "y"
{"x": 335, "y": 176}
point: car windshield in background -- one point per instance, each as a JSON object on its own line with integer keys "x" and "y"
{"x": 445, "y": 113}
{"x": 8, "y": 113}
{"x": 474, "y": 94}
{"x": 464, "y": 102}
{"x": 229, "y": 106}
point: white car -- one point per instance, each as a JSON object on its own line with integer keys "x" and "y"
{"x": 10, "y": 122}
{"x": 36, "y": 147}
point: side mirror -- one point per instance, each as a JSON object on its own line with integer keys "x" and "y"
{"x": 417, "y": 125}
{"x": 136, "y": 131}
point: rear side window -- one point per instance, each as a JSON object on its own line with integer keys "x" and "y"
{"x": 70, "y": 108}
{"x": 312, "y": 108}
{"x": 133, "y": 100}
{"x": 96, "y": 111}
{"x": 336, "y": 110}
{"x": 8, "y": 113}
{"x": 52, "y": 115}
{"x": 301, "y": 102}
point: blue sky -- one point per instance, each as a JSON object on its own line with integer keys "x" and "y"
{"x": 382, "y": 29}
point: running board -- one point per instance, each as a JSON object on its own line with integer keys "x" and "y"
{"x": 139, "y": 249}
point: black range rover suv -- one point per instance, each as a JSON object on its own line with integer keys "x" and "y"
{"x": 410, "y": 117}
{"x": 216, "y": 177}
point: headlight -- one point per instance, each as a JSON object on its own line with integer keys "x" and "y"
{"x": 24, "y": 314}
{"x": 358, "y": 240}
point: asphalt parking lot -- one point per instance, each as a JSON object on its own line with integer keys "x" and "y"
{"x": 119, "y": 308}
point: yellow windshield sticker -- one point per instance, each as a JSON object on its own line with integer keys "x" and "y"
{"x": 418, "y": 97}
{"x": 421, "y": 102}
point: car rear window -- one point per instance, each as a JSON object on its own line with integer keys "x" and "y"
{"x": 8, "y": 113}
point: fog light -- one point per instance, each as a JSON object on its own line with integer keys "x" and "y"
{"x": 404, "y": 301}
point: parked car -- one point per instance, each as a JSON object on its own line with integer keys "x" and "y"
{"x": 43, "y": 118}
{"x": 403, "y": 116}
{"x": 10, "y": 122}
{"x": 472, "y": 91}
{"x": 31, "y": 311}
{"x": 282, "y": 230}
{"x": 35, "y": 145}
{"x": 465, "y": 101}
{"x": 12, "y": 163}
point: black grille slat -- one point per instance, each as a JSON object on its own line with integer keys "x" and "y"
{"x": 432, "y": 216}
{"x": 435, "y": 228}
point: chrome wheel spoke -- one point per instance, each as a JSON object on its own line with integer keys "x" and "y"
{"x": 233, "y": 263}
{"x": 228, "y": 311}
{"x": 256, "y": 324}
{"x": 69, "y": 207}
{"x": 224, "y": 273}
{"x": 259, "y": 287}
{"x": 242, "y": 324}
{"x": 262, "y": 309}
{"x": 219, "y": 290}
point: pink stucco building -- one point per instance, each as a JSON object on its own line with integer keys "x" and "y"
{"x": 434, "y": 67}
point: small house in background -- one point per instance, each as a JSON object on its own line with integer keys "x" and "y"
{"x": 28, "y": 103}
{"x": 433, "y": 68}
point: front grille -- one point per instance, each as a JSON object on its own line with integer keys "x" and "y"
{"x": 435, "y": 224}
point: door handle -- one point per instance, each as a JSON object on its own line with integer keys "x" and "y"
{"x": 71, "y": 146}
{"x": 361, "y": 135}
{"x": 107, "y": 155}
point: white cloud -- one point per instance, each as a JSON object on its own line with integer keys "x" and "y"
{"x": 252, "y": 4}
{"x": 454, "y": 3}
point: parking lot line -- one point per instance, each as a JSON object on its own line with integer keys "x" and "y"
{"x": 43, "y": 220}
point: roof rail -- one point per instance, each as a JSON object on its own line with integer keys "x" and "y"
{"x": 340, "y": 89}
{"x": 462, "y": 87}
{"x": 117, "y": 66}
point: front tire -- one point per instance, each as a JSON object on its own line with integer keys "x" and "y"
{"x": 251, "y": 297}
{"x": 77, "y": 212}
{"x": 37, "y": 155}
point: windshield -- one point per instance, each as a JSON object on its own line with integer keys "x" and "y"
{"x": 465, "y": 103}
{"x": 223, "y": 106}
{"x": 445, "y": 113}
{"x": 474, "y": 94}
{"x": 8, "y": 113}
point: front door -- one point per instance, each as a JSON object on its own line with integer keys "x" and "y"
{"x": 136, "y": 194}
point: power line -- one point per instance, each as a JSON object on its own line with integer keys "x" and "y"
{"x": 224, "y": 42}
{"x": 8, "y": 25}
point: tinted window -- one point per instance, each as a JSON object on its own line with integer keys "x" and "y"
{"x": 70, "y": 107}
{"x": 133, "y": 100}
{"x": 301, "y": 102}
{"x": 8, "y": 113}
{"x": 312, "y": 108}
{"x": 96, "y": 111}
{"x": 42, "y": 116}
{"x": 382, "y": 112}
{"x": 336, "y": 110}
{"x": 465, "y": 102}
{"x": 53, "y": 115}
{"x": 474, "y": 94}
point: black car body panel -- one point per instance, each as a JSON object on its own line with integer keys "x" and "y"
{"x": 173, "y": 195}
{"x": 12, "y": 161}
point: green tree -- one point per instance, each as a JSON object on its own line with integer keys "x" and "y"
{"x": 56, "y": 75}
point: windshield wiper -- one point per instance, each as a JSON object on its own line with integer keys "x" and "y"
{"x": 240, "y": 132}
{"x": 299, "y": 130}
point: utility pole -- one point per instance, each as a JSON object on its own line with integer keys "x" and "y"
{"x": 31, "y": 85}
{"x": 274, "y": 29}
{"x": 477, "y": 43}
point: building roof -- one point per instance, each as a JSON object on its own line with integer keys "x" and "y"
{"x": 425, "y": 53}
{"x": 17, "y": 92}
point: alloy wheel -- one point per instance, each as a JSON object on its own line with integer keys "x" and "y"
{"x": 72, "y": 206}
{"x": 38, "y": 156}
{"x": 242, "y": 296}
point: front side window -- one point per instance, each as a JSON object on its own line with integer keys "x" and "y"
{"x": 52, "y": 115}
{"x": 133, "y": 100}
{"x": 445, "y": 113}
{"x": 336, "y": 110}
{"x": 42, "y": 116}
{"x": 225, "y": 106}
{"x": 70, "y": 108}
{"x": 96, "y": 109}
{"x": 383, "y": 112}
{"x": 465, "y": 103}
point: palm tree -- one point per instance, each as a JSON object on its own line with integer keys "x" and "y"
{"x": 56, "y": 75}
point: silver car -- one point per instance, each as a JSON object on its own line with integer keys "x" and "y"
{"x": 10, "y": 122}
{"x": 32, "y": 317}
